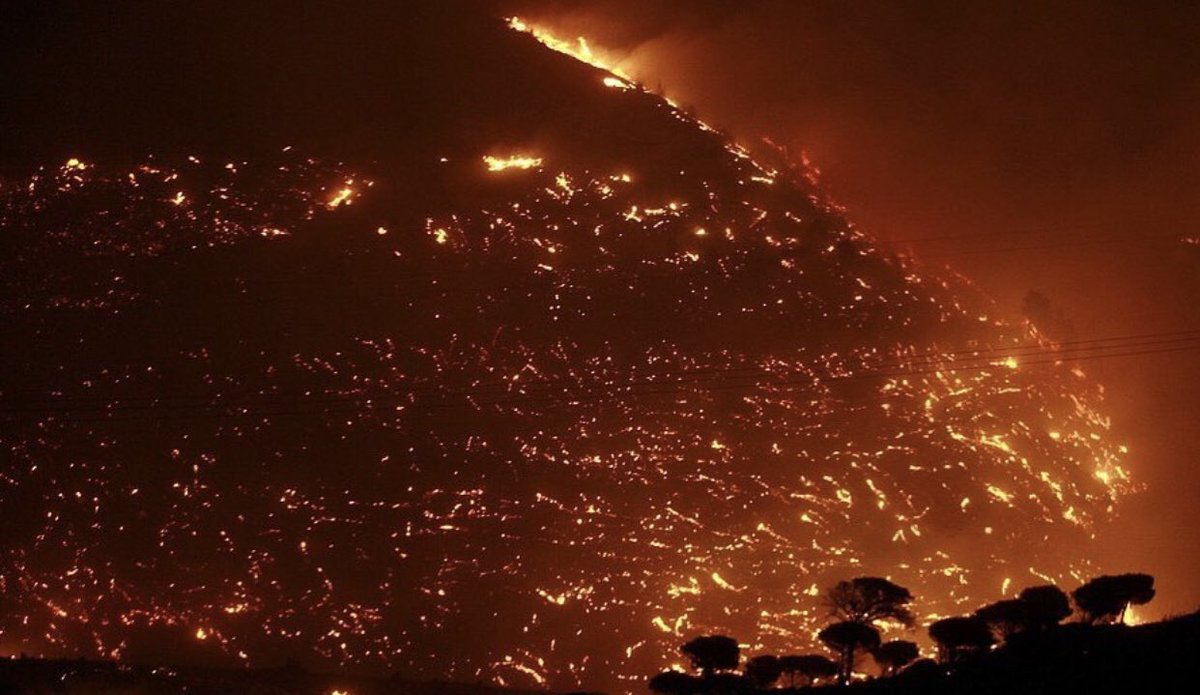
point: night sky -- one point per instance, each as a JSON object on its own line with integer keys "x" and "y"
{"x": 391, "y": 339}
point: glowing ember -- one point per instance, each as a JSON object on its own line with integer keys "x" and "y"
{"x": 592, "y": 411}
{"x": 616, "y": 83}
{"x": 343, "y": 196}
{"x": 513, "y": 162}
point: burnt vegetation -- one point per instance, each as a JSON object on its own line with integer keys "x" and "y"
{"x": 377, "y": 349}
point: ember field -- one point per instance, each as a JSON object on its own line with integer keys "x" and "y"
{"x": 524, "y": 396}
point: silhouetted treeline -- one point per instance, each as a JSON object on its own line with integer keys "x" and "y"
{"x": 864, "y": 608}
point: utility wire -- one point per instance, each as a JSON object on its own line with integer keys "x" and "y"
{"x": 942, "y": 361}
{"x": 351, "y": 405}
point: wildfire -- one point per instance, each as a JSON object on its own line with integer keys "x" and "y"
{"x": 495, "y": 421}
{"x": 578, "y": 49}
{"x": 884, "y": 453}
{"x": 512, "y": 162}
{"x": 616, "y": 83}
{"x": 1133, "y": 617}
{"x": 342, "y": 196}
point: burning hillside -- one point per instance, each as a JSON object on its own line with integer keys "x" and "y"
{"x": 516, "y": 407}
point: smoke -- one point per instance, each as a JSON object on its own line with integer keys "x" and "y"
{"x": 1029, "y": 146}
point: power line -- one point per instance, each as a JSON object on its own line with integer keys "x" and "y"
{"x": 1066, "y": 350}
{"x": 355, "y": 405}
{"x": 1043, "y": 247}
{"x": 1022, "y": 231}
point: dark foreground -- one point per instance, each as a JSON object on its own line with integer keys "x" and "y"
{"x": 37, "y": 676}
{"x": 1152, "y": 658}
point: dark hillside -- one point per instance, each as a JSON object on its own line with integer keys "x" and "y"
{"x": 64, "y": 677}
{"x": 1152, "y": 658}
{"x": 392, "y": 341}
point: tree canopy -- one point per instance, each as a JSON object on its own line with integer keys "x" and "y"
{"x": 710, "y": 653}
{"x": 895, "y": 655}
{"x": 1048, "y": 605}
{"x": 808, "y": 666}
{"x": 868, "y": 599}
{"x": 960, "y": 637}
{"x": 847, "y": 638}
{"x": 763, "y": 670}
{"x": 1106, "y": 598}
{"x": 1006, "y": 618}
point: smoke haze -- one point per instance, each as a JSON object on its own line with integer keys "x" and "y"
{"x": 1047, "y": 148}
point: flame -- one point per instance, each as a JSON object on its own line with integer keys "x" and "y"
{"x": 513, "y": 162}
{"x": 947, "y": 425}
{"x": 1133, "y": 617}
{"x": 1009, "y": 362}
{"x": 616, "y": 83}
{"x": 340, "y": 197}
{"x": 578, "y": 49}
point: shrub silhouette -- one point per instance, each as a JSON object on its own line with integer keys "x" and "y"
{"x": 960, "y": 637}
{"x": 763, "y": 671}
{"x": 1106, "y": 598}
{"x": 674, "y": 683}
{"x": 895, "y": 655}
{"x": 1006, "y": 618}
{"x": 847, "y": 638}
{"x": 1048, "y": 605}
{"x": 868, "y": 599}
{"x": 711, "y": 653}
{"x": 810, "y": 667}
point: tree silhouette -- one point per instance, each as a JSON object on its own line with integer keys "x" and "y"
{"x": 1048, "y": 605}
{"x": 674, "y": 683}
{"x": 867, "y": 599}
{"x": 1106, "y": 598}
{"x": 711, "y": 653}
{"x": 895, "y": 655}
{"x": 809, "y": 666}
{"x": 763, "y": 670}
{"x": 960, "y": 637}
{"x": 1006, "y": 618}
{"x": 847, "y": 638}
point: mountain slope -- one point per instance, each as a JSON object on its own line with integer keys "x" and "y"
{"x": 445, "y": 354}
